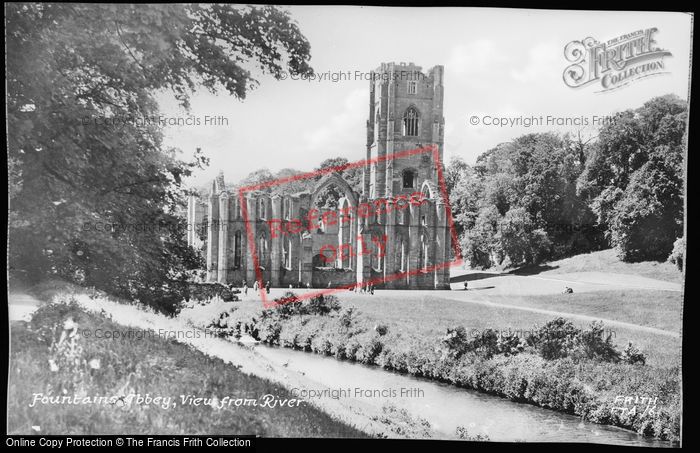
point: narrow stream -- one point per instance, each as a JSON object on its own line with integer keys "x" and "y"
{"x": 446, "y": 406}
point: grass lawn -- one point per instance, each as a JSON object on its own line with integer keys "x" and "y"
{"x": 607, "y": 261}
{"x": 430, "y": 316}
{"x": 152, "y": 365}
{"x": 659, "y": 309}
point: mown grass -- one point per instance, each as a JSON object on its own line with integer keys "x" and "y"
{"x": 430, "y": 315}
{"x": 147, "y": 365}
{"x": 651, "y": 308}
{"x": 607, "y": 261}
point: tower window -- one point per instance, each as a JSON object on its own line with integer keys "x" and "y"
{"x": 409, "y": 177}
{"x": 410, "y": 122}
{"x": 412, "y": 87}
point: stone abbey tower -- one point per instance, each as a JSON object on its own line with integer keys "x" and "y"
{"x": 401, "y": 246}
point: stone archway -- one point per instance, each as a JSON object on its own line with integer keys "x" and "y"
{"x": 345, "y": 240}
{"x": 330, "y": 180}
{"x": 429, "y": 189}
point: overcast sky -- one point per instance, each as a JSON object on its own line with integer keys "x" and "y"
{"x": 498, "y": 62}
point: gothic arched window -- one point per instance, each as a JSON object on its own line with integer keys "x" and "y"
{"x": 410, "y": 122}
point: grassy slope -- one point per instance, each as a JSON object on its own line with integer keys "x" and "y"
{"x": 150, "y": 365}
{"x": 430, "y": 316}
{"x": 607, "y": 261}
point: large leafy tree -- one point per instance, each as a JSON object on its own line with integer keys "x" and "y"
{"x": 634, "y": 178}
{"x": 94, "y": 194}
{"x": 527, "y": 189}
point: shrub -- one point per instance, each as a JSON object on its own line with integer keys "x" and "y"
{"x": 676, "y": 256}
{"x": 322, "y": 305}
{"x": 348, "y": 318}
{"x": 288, "y": 305}
{"x": 485, "y": 344}
{"x": 462, "y": 433}
{"x": 381, "y": 329}
{"x": 509, "y": 343}
{"x": 632, "y": 355}
{"x": 455, "y": 341}
{"x": 556, "y": 339}
{"x": 592, "y": 345}
{"x": 268, "y": 331}
{"x": 369, "y": 347}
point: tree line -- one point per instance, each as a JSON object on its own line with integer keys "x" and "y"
{"x": 547, "y": 196}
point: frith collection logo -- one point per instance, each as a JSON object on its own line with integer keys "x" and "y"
{"x": 616, "y": 62}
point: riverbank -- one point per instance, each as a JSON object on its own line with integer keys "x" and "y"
{"x": 152, "y": 353}
{"x": 599, "y": 392}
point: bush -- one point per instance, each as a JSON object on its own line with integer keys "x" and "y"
{"x": 632, "y": 355}
{"x": 322, "y": 305}
{"x": 287, "y": 305}
{"x": 509, "y": 343}
{"x": 455, "y": 341}
{"x": 676, "y": 256}
{"x": 592, "y": 345}
{"x": 381, "y": 329}
{"x": 485, "y": 344}
{"x": 348, "y": 318}
{"x": 462, "y": 433}
{"x": 555, "y": 340}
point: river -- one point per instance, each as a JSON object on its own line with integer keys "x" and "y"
{"x": 446, "y": 406}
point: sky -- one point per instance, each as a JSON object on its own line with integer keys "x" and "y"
{"x": 498, "y": 63}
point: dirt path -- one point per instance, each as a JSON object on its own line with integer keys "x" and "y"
{"x": 549, "y": 283}
{"x": 555, "y": 313}
{"x": 21, "y": 306}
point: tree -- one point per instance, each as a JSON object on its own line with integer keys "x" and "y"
{"x": 94, "y": 195}
{"x": 456, "y": 169}
{"x": 633, "y": 179}
{"x": 479, "y": 243}
{"x": 648, "y": 218}
{"x": 530, "y": 182}
{"x": 519, "y": 240}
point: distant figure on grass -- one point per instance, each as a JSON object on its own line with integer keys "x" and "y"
{"x": 267, "y": 287}
{"x": 371, "y": 289}
{"x": 466, "y": 284}
{"x": 568, "y": 290}
{"x": 256, "y": 286}
{"x": 245, "y": 288}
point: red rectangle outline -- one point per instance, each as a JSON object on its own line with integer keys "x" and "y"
{"x": 443, "y": 192}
